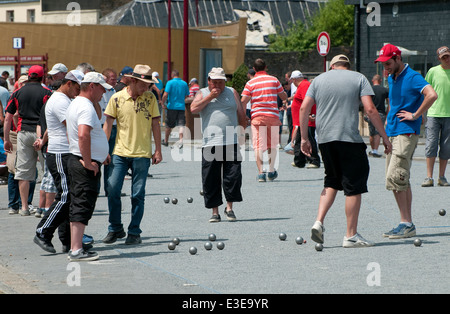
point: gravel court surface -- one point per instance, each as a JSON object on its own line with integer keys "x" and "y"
{"x": 254, "y": 260}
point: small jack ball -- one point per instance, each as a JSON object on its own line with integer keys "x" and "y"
{"x": 212, "y": 237}
{"x": 190, "y": 200}
{"x": 208, "y": 246}
{"x": 174, "y": 201}
{"x": 442, "y": 212}
{"x": 282, "y": 236}
{"x": 176, "y": 241}
{"x": 172, "y": 246}
{"x": 166, "y": 200}
{"x": 193, "y": 250}
{"x": 319, "y": 247}
{"x": 417, "y": 242}
{"x": 299, "y": 240}
{"x": 220, "y": 245}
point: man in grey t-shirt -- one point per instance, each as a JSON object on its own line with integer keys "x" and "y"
{"x": 337, "y": 94}
{"x": 221, "y": 113}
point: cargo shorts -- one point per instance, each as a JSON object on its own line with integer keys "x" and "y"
{"x": 398, "y": 162}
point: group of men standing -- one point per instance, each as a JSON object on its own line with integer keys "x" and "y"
{"x": 78, "y": 142}
{"x": 78, "y": 146}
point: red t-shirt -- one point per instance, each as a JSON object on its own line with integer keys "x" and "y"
{"x": 297, "y": 103}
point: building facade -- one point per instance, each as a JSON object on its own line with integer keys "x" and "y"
{"x": 419, "y": 27}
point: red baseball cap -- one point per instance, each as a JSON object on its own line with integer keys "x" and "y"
{"x": 387, "y": 52}
{"x": 36, "y": 69}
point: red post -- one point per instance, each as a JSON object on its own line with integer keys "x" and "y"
{"x": 186, "y": 41}
{"x": 169, "y": 39}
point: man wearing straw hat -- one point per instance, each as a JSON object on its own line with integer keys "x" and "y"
{"x": 135, "y": 109}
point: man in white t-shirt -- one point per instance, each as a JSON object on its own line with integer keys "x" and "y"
{"x": 57, "y": 156}
{"x": 89, "y": 148}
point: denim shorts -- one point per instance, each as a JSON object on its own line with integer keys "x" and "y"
{"x": 437, "y": 137}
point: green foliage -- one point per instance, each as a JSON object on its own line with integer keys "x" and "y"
{"x": 335, "y": 18}
{"x": 240, "y": 78}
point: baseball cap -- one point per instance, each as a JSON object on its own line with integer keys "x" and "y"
{"x": 443, "y": 51}
{"x": 59, "y": 67}
{"x": 75, "y": 75}
{"x": 155, "y": 74}
{"x": 339, "y": 58}
{"x": 217, "y": 74}
{"x": 37, "y": 70}
{"x": 387, "y": 52}
{"x": 95, "y": 77}
{"x": 296, "y": 74}
{"x": 126, "y": 70}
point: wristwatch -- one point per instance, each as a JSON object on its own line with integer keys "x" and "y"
{"x": 413, "y": 117}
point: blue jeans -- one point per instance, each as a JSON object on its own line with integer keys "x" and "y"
{"x": 14, "y": 200}
{"x": 117, "y": 170}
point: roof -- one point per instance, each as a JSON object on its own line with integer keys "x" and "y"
{"x": 17, "y": 1}
{"x": 264, "y": 16}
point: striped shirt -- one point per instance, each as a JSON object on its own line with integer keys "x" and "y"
{"x": 263, "y": 90}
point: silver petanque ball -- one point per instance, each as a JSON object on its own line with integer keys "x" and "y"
{"x": 193, "y": 250}
{"x": 176, "y": 241}
{"x": 174, "y": 201}
{"x": 212, "y": 237}
{"x": 417, "y": 242}
{"x": 172, "y": 246}
{"x": 282, "y": 236}
{"x": 299, "y": 240}
{"x": 166, "y": 200}
{"x": 220, "y": 245}
{"x": 208, "y": 245}
{"x": 190, "y": 200}
{"x": 319, "y": 247}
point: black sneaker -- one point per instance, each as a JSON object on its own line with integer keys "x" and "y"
{"x": 230, "y": 215}
{"x": 164, "y": 143}
{"x": 44, "y": 244}
{"x": 133, "y": 239}
{"x": 83, "y": 256}
{"x": 214, "y": 218}
{"x": 112, "y": 237}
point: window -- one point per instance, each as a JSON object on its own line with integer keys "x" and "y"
{"x": 31, "y": 16}
{"x": 9, "y": 16}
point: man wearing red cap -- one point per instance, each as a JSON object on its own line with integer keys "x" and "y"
{"x": 28, "y": 101}
{"x": 438, "y": 119}
{"x": 410, "y": 96}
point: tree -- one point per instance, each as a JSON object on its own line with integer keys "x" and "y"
{"x": 336, "y": 18}
{"x": 240, "y": 78}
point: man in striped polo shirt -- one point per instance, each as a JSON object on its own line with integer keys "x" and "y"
{"x": 262, "y": 91}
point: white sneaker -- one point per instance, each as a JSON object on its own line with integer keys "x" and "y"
{"x": 317, "y": 232}
{"x": 356, "y": 241}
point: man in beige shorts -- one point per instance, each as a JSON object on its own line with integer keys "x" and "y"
{"x": 28, "y": 101}
{"x": 410, "y": 96}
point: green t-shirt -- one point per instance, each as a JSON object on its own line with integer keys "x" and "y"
{"x": 440, "y": 80}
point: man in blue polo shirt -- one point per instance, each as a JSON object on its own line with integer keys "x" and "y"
{"x": 175, "y": 93}
{"x": 410, "y": 96}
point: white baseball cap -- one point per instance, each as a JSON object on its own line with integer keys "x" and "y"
{"x": 59, "y": 67}
{"x": 75, "y": 75}
{"x": 95, "y": 77}
{"x": 296, "y": 74}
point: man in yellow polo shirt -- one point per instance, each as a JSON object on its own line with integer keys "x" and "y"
{"x": 135, "y": 109}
